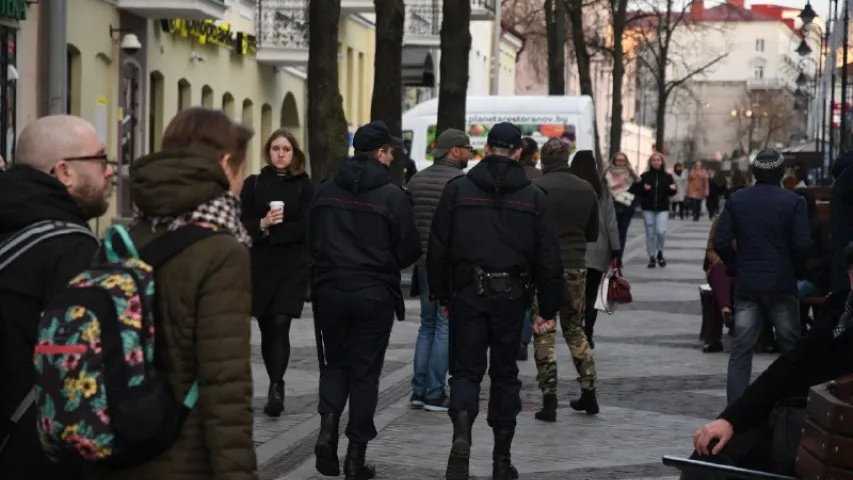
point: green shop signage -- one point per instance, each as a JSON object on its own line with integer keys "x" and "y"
{"x": 14, "y": 9}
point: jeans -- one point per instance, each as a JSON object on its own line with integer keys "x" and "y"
{"x": 432, "y": 353}
{"x": 655, "y": 231}
{"x": 751, "y": 312}
{"x": 696, "y": 207}
{"x": 527, "y": 329}
{"x": 624, "y": 214}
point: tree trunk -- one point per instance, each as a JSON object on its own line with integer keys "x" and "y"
{"x": 660, "y": 114}
{"x": 555, "y": 19}
{"x": 619, "y": 19}
{"x": 455, "y": 46}
{"x": 327, "y": 123}
{"x": 573, "y": 9}
{"x": 387, "y": 102}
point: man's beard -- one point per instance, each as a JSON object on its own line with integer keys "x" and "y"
{"x": 92, "y": 202}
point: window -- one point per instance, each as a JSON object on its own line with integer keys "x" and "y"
{"x": 759, "y": 44}
{"x": 758, "y": 73}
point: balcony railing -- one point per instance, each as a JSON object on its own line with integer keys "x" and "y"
{"x": 423, "y": 24}
{"x": 483, "y": 9}
{"x": 282, "y": 32}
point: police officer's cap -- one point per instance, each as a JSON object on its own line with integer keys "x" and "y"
{"x": 374, "y": 136}
{"x": 505, "y": 135}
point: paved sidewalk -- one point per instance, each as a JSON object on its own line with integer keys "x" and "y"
{"x": 655, "y": 389}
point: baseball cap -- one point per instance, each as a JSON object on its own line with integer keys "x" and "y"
{"x": 448, "y": 139}
{"x": 374, "y": 135}
{"x": 504, "y": 135}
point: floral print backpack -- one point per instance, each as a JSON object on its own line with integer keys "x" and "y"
{"x": 98, "y": 394}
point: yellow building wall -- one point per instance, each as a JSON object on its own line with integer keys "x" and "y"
{"x": 355, "y": 69}
{"x": 97, "y": 71}
{"x": 255, "y": 94}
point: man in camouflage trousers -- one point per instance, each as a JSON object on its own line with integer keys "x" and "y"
{"x": 574, "y": 205}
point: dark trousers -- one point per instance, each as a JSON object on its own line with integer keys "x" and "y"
{"x": 712, "y": 203}
{"x": 696, "y": 207}
{"x": 677, "y": 208}
{"x": 356, "y": 326}
{"x": 484, "y": 331}
{"x": 624, "y": 214}
{"x": 593, "y": 281}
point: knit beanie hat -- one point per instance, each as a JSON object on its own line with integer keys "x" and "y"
{"x": 768, "y": 166}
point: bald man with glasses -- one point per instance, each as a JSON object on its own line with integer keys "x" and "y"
{"x": 61, "y": 179}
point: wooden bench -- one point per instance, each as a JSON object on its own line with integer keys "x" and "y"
{"x": 826, "y": 446}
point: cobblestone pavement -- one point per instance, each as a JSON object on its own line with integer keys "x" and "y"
{"x": 655, "y": 388}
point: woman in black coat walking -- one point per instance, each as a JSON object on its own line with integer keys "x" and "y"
{"x": 275, "y": 204}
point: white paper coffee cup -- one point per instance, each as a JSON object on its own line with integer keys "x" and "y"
{"x": 277, "y": 205}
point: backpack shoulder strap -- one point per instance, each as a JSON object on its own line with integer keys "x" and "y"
{"x": 174, "y": 242}
{"x": 25, "y": 239}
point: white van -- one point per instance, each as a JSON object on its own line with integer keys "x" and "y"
{"x": 539, "y": 117}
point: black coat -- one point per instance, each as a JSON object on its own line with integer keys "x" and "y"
{"x": 28, "y": 196}
{"x": 656, "y": 199}
{"x": 816, "y": 358}
{"x": 841, "y": 218}
{"x": 362, "y": 229}
{"x": 279, "y": 258}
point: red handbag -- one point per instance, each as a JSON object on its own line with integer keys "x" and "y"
{"x": 618, "y": 288}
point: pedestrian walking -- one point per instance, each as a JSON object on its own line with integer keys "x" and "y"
{"x": 773, "y": 237}
{"x": 605, "y": 249}
{"x": 574, "y": 204}
{"x": 620, "y": 177}
{"x": 361, "y": 234}
{"x": 450, "y": 158}
{"x": 492, "y": 238}
{"x": 678, "y": 200}
{"x": 275, "y": 204}
{"x": 529, "y": 160}
{"x": 654, "y": 188}
{"x": 697, "y": 189}
{"x": 60, "y": 181}
{"x": 717, "y": 187}
{"x": 204, "y": 319}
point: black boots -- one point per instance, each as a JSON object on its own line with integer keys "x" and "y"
{"x": 326, "y": 448}
{"x": 661, "y": 260}
{"x": 549, "y": 408}
{"x": 355, "y": 465}
{"x": 652, "y": 262}
{"x": 587, "y": 402}
{"x": 502, "y": 468}
{"x": 460, "y": 452}
{"x": 275, "y": 400}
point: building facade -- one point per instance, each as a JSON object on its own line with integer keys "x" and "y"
{"x": 19, "y": 33}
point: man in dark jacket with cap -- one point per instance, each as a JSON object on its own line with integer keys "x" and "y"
{"x": 491, "y": 240}
{"x": 361, "y": 234}
{"x": 773, "y": 241}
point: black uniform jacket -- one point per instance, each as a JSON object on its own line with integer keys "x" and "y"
{"x": 361, "y": 228}
{"x": 495, "y": 219}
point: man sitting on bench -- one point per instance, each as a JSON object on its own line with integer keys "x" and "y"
{"x": 742, "y": 436}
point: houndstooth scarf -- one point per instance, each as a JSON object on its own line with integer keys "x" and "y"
{"x": 846, "y": 319}
{"x": 221, "y": 212}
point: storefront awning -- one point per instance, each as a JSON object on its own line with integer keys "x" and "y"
{"x": 418, "y": 67}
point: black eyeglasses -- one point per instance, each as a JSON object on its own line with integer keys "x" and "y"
{"x": 101, "y": 157}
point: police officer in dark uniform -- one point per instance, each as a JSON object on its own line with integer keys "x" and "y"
{"x": 361, "y": 234}
{"x": 492, "y": 240}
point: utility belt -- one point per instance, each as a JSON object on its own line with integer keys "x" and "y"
{"x": 491, "y": 283}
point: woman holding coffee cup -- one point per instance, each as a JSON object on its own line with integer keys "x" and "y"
{"x": 275, "y": 203}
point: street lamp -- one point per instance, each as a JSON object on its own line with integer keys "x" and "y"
{"x": 807, "y": 15}
{"x": 804, "y": 49}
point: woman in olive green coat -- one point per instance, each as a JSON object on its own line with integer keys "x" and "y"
{"x": 204, "y": 296}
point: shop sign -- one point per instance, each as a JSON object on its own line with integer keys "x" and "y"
{"x": 14, "y": 9}
{"x": 208, "y": 32}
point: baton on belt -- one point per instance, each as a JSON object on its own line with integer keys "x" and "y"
{"x": 318, "y": 332}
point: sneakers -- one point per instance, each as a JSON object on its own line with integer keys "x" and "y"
{"x": 652, "y": 262}
{"x": 416, "y": 401}
{"x": 440, "y": 404}
{"x": 661, "y": 260}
